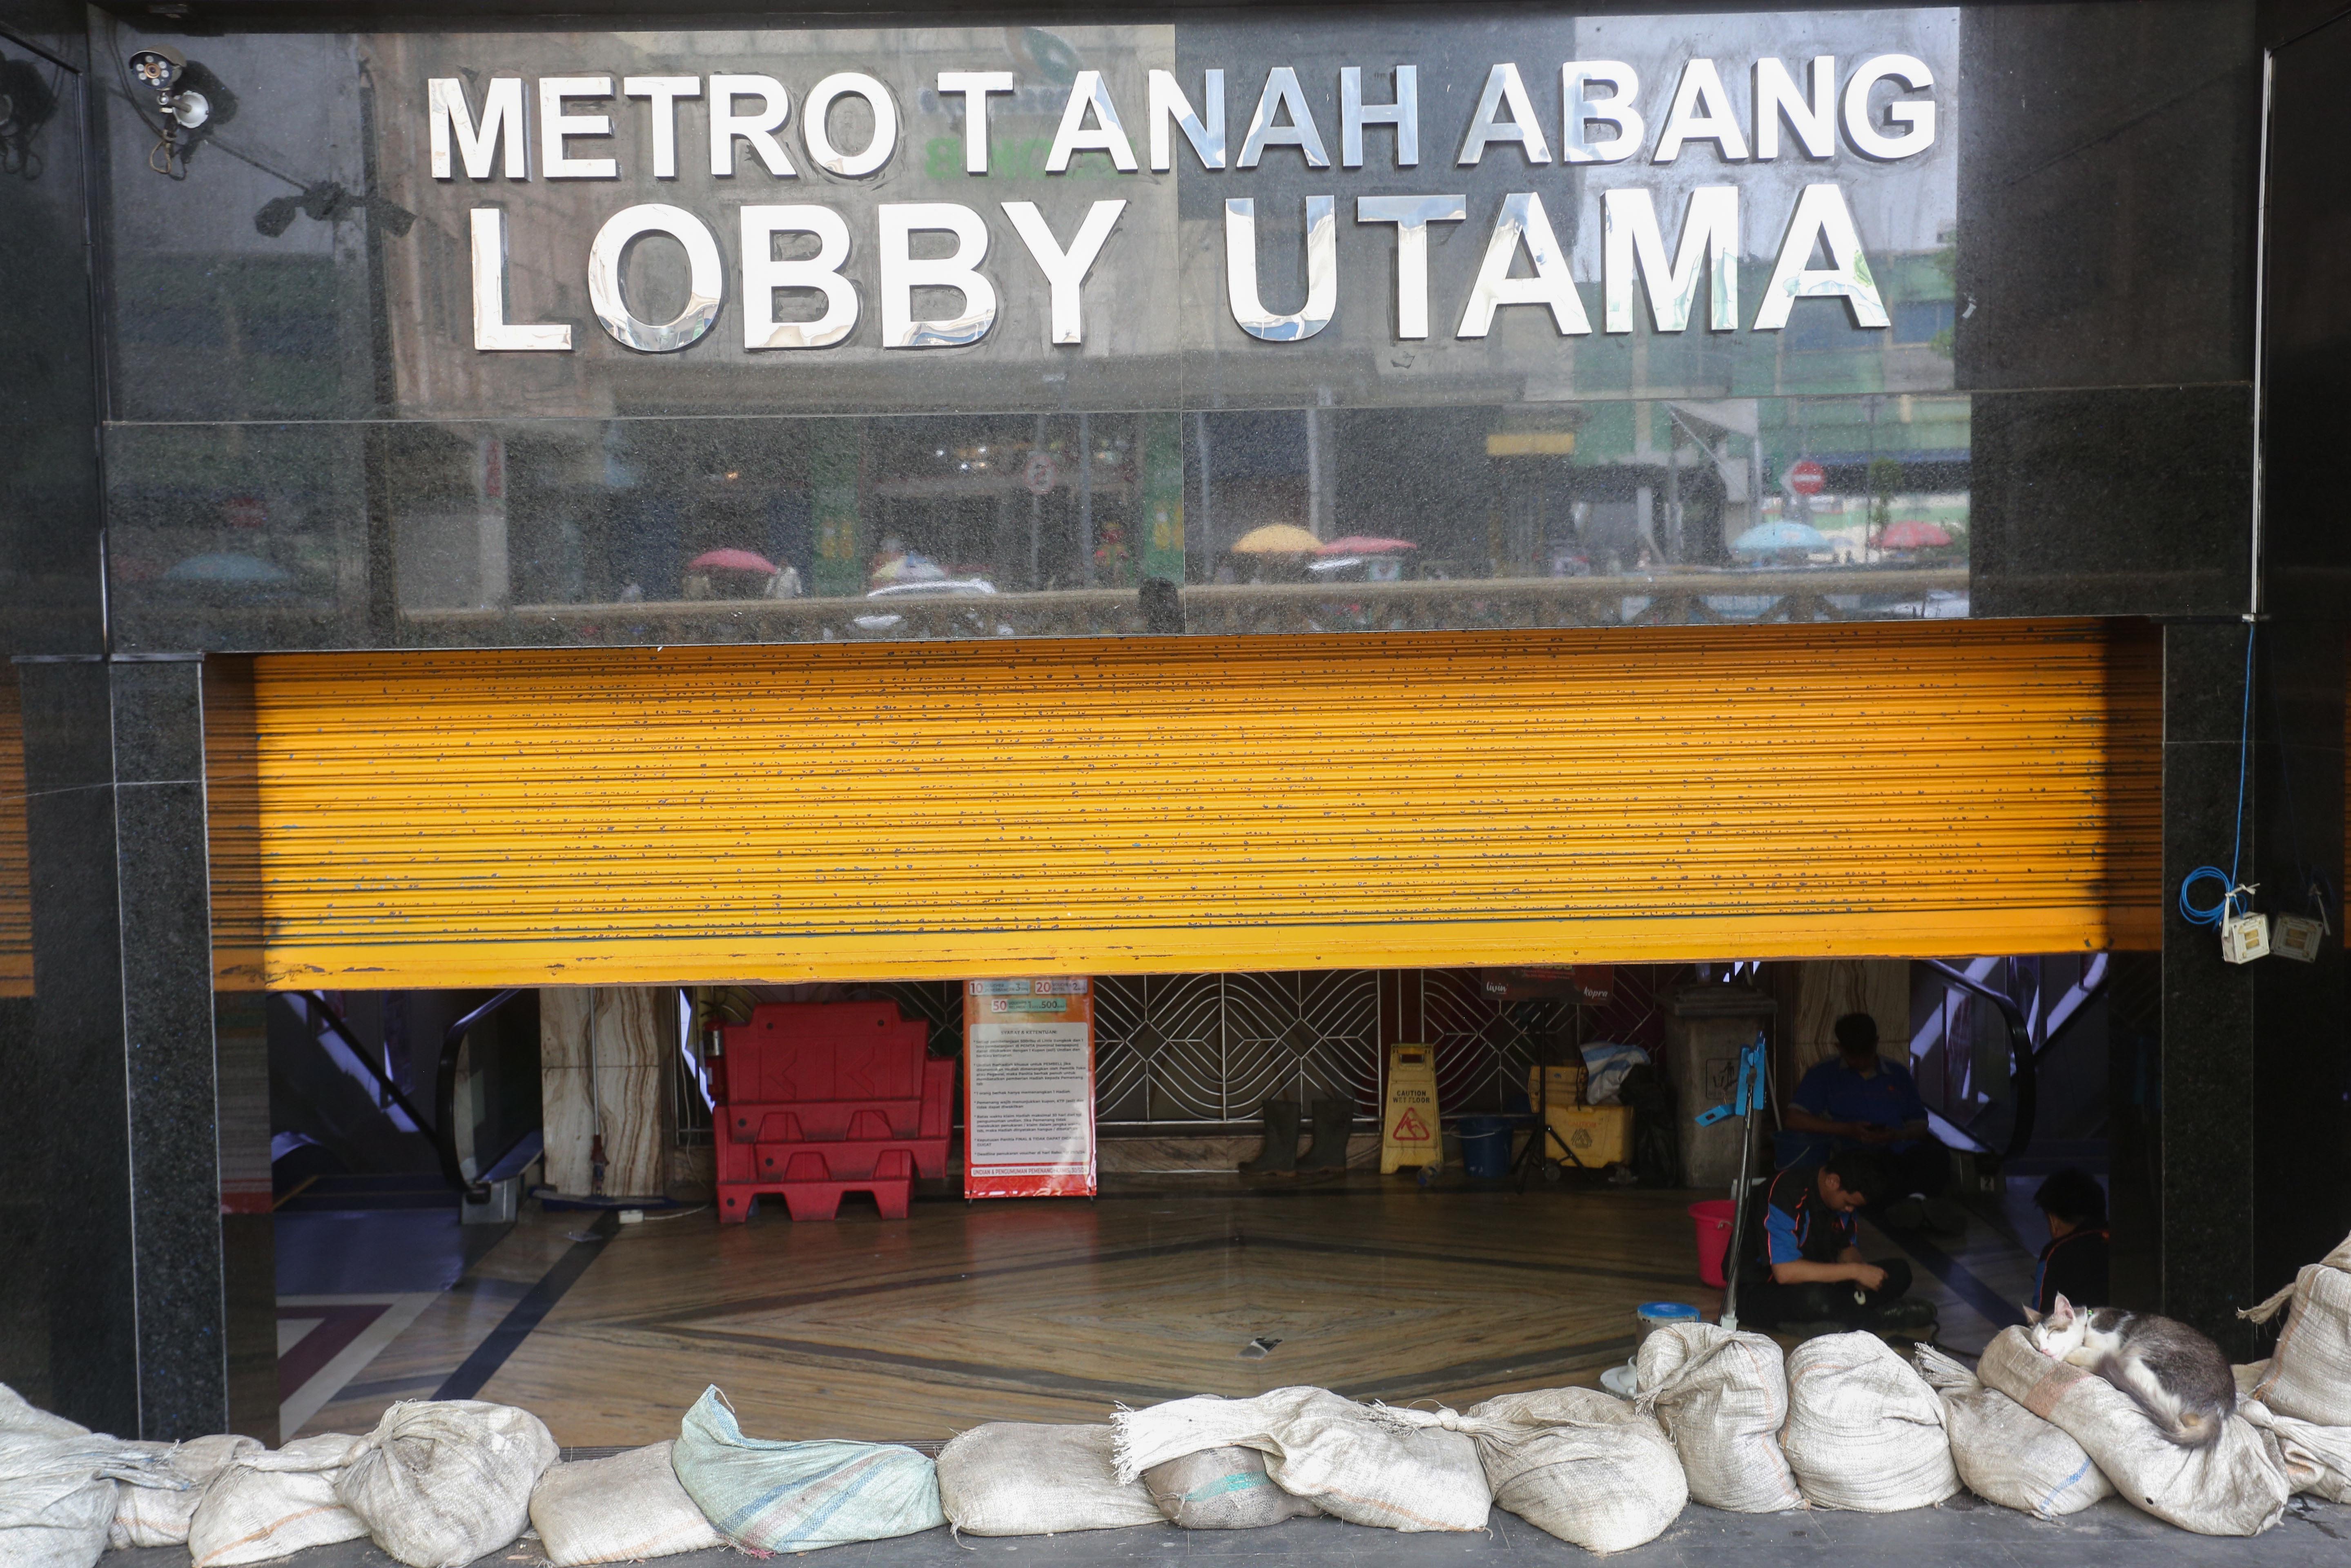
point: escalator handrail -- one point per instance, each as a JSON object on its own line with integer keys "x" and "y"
{"x": 2023, "y": 1073}
{"x": 317, "y": 1014}
{"x": 445, "y": 1099}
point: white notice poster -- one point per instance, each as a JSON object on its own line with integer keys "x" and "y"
{"x": 1028, "y": 1088}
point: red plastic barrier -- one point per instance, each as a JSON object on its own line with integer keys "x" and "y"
{"x": 819, "y": 1099}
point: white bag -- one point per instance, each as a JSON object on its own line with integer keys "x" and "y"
{"x": 18, "y": 1414}
{"x": 1864, "y": 1433}
{"x": 160, "y": 1515}
{"x": 268, "y": 1505}
{"x": 1398, "y": 1469}
{"x": 2004, "y": 1453}
{"x": 57, "y": 1485}
{"x": 1581, "y": 1464}
{"x": 1018, "y": 1477}
{"x": 2235, "y": 1485}
{"x": 626, "y": 1509}
{"x": 443, "y": 1481}
{"x": 1222, "y": 1489}
{"x": 2317, "y": 1458}
{"x": 2309, "y": 1376}
{"x": 1722, "y": 1397}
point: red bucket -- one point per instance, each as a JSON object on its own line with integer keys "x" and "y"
{"x": 1713, "y": 1220}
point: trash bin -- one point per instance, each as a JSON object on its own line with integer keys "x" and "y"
{"x": 1486, "y": 1146}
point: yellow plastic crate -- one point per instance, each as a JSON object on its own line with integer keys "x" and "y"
{"x": 1566, "y": 1084}
{"x": 1596, "y": 1136}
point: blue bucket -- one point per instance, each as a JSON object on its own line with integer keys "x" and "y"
{"x": 1486, "y": 1146}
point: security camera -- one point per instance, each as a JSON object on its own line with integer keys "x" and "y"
{"x": 159, "y": 67}
{"x": 163, "y": 69}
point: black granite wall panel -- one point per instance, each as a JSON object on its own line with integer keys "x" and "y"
{"x": 73, "y": 1148}
{"x": 2302, "y": 1160}
{"x": 167, "y": 1013}
{"x": 2089, "y": 498}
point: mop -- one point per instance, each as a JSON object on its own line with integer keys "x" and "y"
{"x": 1751, "y": 1087}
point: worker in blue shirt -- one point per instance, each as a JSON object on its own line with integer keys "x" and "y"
{"x": 1859, "y": 1099}
{"x": 1803, "y": 1272}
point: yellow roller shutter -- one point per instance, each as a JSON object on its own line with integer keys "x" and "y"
{"x": 936, "y": 810}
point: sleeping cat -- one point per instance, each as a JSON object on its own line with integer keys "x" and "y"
{"x": 2178, "y": 1376}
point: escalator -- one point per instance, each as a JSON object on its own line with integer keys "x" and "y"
{"x": 403, "y": 1125}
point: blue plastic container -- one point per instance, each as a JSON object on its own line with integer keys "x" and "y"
{"x": 1486, "y": 1146}
{"x": 1651, "y": 1316}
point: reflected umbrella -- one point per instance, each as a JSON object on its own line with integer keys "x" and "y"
{"x": 1277, "y": 538}
{"x": 732, "y": 560}
{"x": 1914, "y": 533}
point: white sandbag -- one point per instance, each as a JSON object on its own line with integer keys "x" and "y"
{"x": 626, "y": 1509}
{"x": 1864, "y": 1433}
{"x": 2309, "y": 1376}
{"x": 273, "y": 1503}
{"x": 2235, "y": 1485}
{"x": 2317, "y": 1458}
{"x": 443, "y": 1481}
{"x": 771, "y": 1496}
{"x": 18, "y": 1414}
{"x": 1722, "y": 1398}
{"x": 1581, "y": 1464}
{"x": 58, "y": 1485}
{"x": 160, "y": 1515}
{"x": 54, "y": 1505}
{"x": 1398, "y": 1469}
{"x": 1020, "y": 1478}
{"x": 2003, "y": 1452}
{"x": 1222, "y": 1489}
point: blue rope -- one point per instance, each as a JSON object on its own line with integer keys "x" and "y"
{"x": 2223, "y": 908}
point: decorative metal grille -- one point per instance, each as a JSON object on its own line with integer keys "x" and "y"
{"x": 1485, "y": 1046}
{"x": 939, "y": 1003}
{"x": 1197, "y": 1050}
{"x": 1213, "y": 1047}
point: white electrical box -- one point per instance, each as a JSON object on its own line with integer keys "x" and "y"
{"x": 2296, "y": 936}
{"x": 2244, "y": 938}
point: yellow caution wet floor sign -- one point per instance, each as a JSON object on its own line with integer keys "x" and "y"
{"x": 1409, "y": 1134}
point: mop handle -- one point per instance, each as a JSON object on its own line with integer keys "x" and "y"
{"x": 1751, "y": 1087}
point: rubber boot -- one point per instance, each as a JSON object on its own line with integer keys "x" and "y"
{"x": 1280, "y": 1156}
{"x": 1334, "y": 1120}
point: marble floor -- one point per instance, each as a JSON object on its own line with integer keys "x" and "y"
{"x": 1058, "y": 1310}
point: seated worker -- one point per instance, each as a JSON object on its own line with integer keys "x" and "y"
{"x": 1859, "y": 1099}
{"x": 2073, "y": 1264}
{"x": 1802, "y": 1263}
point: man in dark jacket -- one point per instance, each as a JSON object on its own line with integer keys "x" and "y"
{"x": 2075, "y": 1263}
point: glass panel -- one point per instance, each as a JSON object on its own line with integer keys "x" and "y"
{"x": 1025, "y": 525}
{"x": 387, "y": 373}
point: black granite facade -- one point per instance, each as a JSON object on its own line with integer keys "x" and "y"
{"x": 167, "y": 1008}
{"x": 65, "y": 1085}
{"x": 2106, "y": 288}
{"x": 111, "y": 1286}
{"x": 2256, "y": 1073}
